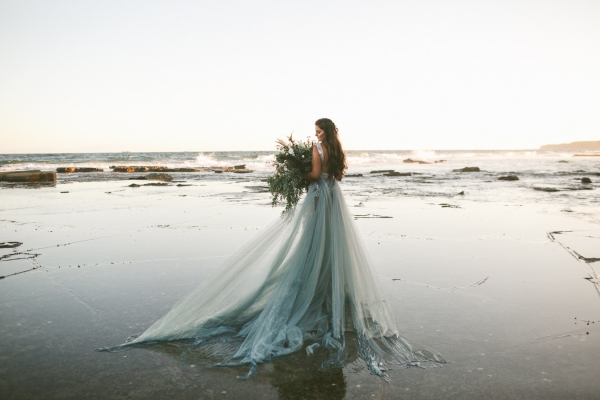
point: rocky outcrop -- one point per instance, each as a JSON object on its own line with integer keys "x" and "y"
{"x": 135, "y": 185}
{"x": 387, "y": 172}
{"x": 123, "y": 169}
{"x": 28, "y": 176}
{"x": 157, "y": 168}
{"x": 353, "y": 175}
{"x": 9, "y": 245}
{"x": 66, "y": 170}
{"x": 467, "y": 169}
{"x": 586, "y": 180}
{"x": 546, "y": 189}
{"x": 410, "y": 160}
{"x": 393, "y": 173}
{"x": 509, "y": 178}
{"x": 159, "y": 177}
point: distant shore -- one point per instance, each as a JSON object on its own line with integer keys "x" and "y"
{"x": 573, "y": 146}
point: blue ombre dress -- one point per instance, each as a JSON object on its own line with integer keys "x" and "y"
{"x": 305, "y": 281}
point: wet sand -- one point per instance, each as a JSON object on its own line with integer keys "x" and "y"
{"x": 508, "y": 293}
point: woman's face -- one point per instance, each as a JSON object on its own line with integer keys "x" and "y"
{"x": 319, "y": 133}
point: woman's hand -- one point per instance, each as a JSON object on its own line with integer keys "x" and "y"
{"x": 316, "y": 166}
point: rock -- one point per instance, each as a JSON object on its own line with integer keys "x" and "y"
{"x": 509, "y": 178}
{"x": 410, "y": 160}
{"x": 65, "y": 170}
{"x": 156, "y": 184}
{"x": 586, "y": 180}
{"x": 241, "y": 171}
{"x": 546, "y": 189}
{"x": 184, "y": 184}
{"x": 462, "y": 193}
{"x": 440, "y": 161}
{"x": 28, "y": 176}
{"x": 243, "y": 166}
{"x": 179, "y": 170}
{"x": 398, "y": 174}
{"x": 134, "y": 185}
{"x": 137, "y": 178}
{"x": 563, "y": 161}
{"x": 467, "y": 169}
{"x": 123, "y": 169}
{"x": 353, "y": 175}
{"x": 3, "y": 174}
{"x": 159, "y": 177}
{"x": 88, "y": 169}
{"x": 9, "y": 245}
{"x": 141, "y": 169}
{"x": 218, "y": 171}
{"x": 382, "y": 171}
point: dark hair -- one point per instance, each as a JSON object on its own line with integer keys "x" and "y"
{"x": 337, "y": 158}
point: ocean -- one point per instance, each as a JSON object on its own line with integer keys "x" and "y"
{"x": 546, "y": 177}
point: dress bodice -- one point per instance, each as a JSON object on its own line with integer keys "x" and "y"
{"x": 324, "y": 175}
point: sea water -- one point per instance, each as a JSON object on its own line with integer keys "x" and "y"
{"x": 544, "y": 177}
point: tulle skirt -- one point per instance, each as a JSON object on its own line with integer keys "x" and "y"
{"x": 305, "y": 281}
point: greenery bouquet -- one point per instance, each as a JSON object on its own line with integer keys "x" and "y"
{"x": 293, "y": 160}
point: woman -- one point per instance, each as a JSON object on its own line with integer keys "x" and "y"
{"x": 305, "y": 280}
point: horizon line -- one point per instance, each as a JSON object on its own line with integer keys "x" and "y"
{"x": 273, "y": 151}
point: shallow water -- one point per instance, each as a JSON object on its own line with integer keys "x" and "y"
{"x": 483, "y": 284}
{"x": 550, "y": 178}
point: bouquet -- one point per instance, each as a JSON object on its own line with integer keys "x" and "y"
{"x": 293, "y": 160}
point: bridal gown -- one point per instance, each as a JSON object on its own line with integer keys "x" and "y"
{"x": 304, "y": 281}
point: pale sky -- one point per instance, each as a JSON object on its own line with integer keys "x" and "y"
{"x": 100, "y": 76}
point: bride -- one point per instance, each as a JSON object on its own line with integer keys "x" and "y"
{"x": 305, "y": 281}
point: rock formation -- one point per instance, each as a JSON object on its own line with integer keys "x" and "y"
{"x": 393, "y": 173}
{"x": 64, "y": 170}
{"x": 467, "y": 169}
{"x": 28, "y": 176}
{"x": 509, "y": 178}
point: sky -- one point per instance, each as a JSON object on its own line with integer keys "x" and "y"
{"x": 110, "y": 76}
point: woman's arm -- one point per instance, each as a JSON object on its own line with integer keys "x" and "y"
{"x": 316, "y": 167}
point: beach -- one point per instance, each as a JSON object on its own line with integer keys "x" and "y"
{"x": 503, "y": 280}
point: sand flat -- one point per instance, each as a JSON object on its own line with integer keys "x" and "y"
{"x": 510, "y": 308}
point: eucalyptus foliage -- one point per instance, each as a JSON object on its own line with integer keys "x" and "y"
{"x": 293, "y": 160}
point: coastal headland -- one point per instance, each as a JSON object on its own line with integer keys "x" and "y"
{"x": 573, "y": 146}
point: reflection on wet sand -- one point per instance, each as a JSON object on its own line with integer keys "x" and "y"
{"x": 299, "y": 377}
{"x": 511, "y": 309}
{"x": 296, "y": 376}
